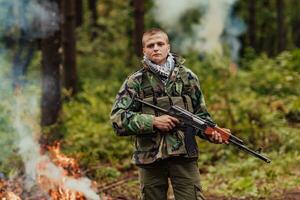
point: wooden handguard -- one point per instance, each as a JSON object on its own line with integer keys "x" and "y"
{"x": 224, "y": 134}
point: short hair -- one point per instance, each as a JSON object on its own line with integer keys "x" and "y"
{"x": 154, "y": 31}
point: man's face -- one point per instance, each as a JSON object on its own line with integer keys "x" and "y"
{"x": 156, "y": 48}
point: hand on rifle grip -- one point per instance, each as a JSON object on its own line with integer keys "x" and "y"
{"x": 216, "y": 137}
{"x": 165, "y": 123}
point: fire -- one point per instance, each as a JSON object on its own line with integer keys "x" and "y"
{"x": 5, "y": 191}
{"x": 45, "y": 174}
{"x": 69, "y": 171}
{"x": 58, "y": 178}
{"x": 12, "y": 196}
{"x": 69, "y": 164}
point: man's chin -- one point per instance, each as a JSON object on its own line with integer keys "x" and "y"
{"x": 157, "y": 61}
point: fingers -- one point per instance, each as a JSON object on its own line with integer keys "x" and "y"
{"x": 174, "y": 120}
{"x": 216, "y": 137}
{"x": 165, "y": 122}
{"x": 228, "y": 130}
{"x": 171, "y": 123}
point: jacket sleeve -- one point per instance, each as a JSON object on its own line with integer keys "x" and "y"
{"x": 198, "y": 102}
{"x": 125, "y": 116}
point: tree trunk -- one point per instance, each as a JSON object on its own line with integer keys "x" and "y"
{"x": 51, "y": 96}
{"x": 296, "y": 24}
{"x": 69, "y": 46}
{"x": 252, "y": 23}
{"x": 267, "y": 38}
{"x": 21, "y": 60}
{"x": 79, "y": 12}
{"x": 92, "y": 4}
{"x": 281, "y": 32}
{"x": 139, "y": 26}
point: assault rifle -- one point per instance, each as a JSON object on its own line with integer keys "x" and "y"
{"x": 189, "y": 119}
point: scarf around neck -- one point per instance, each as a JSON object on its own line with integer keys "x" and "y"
{"x": 163, "y": 70}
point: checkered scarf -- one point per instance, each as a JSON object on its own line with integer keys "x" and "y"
{"x": 163, "y": 71}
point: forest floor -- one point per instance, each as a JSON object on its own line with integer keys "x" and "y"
{"x": 126, "y": 187}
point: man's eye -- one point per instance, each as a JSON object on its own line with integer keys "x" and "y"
{"x": 160, "y": 44}
{"x": 150, "y": 46}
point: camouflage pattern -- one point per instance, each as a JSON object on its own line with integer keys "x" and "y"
{"x": 183, "y": 173}
{"x": 130, "y": 118}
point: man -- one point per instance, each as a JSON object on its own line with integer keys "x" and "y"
{"x": 162, "y": 151}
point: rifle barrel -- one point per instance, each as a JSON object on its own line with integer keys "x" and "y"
{"x": 248, "y": 150}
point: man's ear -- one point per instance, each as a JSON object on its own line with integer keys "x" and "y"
{"x": 144, "y": 53}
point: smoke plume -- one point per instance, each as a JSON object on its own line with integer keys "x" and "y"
{"x": 216, "y": 25}
{"x": 20, "y": 107}
{"x": 35, "y": 18}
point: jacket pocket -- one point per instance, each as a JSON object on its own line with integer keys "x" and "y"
{"x": 147, "y": 142}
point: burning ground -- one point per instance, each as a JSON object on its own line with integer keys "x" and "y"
{"x": 45, "y": 173}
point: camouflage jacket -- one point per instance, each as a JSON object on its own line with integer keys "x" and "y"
{"x": 128, "y": 117}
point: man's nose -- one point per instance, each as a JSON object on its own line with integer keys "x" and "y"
{"x": 155, "y": 48}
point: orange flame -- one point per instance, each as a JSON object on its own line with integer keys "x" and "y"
{"x": 69, "y": 164}
{"x": 53, "y": 185}
{"x": 55, "y": 188}
{"x": 5, "y": 193}
{"x": 12, "y": 196}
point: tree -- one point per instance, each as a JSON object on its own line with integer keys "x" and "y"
{"x": 51, "y": 90}
{"x": 138, "y": 6}
{"x": 92, "y": 4}
{"x": 69, "y": 46}
{"x": 281, "y": 32}
{"x": 267, "y": 29}
{"x": 21, "y": 59}
{"x": 252, "y": 23}
{"x": 295, "y": 22}
{"x": 79, "y": 12}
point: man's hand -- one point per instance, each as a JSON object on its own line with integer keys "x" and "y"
{"x": 216, "y": 137}
{"x": 165, "y": 123}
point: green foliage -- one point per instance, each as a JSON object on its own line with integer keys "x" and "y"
{"x": 249, "y": 178}
{"x": 259, "y": 101}
{"x": 87, "y": 129}
{"x": 255, "y": 101}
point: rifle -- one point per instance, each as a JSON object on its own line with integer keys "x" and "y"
{"x": 189, "y": 119}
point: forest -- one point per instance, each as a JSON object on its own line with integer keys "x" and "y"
{"x": 62, "y": 63}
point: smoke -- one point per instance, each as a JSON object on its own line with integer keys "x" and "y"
{"x": 169, "y": 13}
{"x": 20, "y": 108}
{"x": 216, "y": 25}
{"x": 24, "y": 119}
{"x": 35, "y": 18}
{"x": 5, "y": 110}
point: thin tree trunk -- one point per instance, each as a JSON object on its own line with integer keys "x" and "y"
{"x": 51, "y": 91}
{"x": 79, "y": 12}
{"x": 296, "y": 24}
{"x": 92, "y": 4}
{"x": 281, "y": 32}
{"x": 267, "y": 40}
{"x": 252, "y": 23}
{"x": 139, "y": 26}
{"x": 21, "y": 60}
{"x": 69, "y": 46}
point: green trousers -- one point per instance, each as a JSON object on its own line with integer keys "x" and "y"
{"x": 183, "y": 174}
